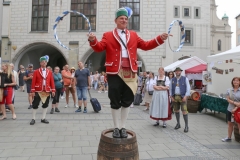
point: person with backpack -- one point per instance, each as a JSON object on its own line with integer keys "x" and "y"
{"x": 179, "y": 91}
{"x": 28, "y": 79}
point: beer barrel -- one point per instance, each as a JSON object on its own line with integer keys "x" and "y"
{"x": 117, "y": 148}
{"x": 194, "y": 95}
{"x": 236, "y": 132}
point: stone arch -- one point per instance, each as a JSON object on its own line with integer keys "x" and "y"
{"x": 44, "y": 46}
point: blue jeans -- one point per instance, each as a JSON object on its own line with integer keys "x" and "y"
{"x": 95, "y": 84}
{"x": 82, "y": 93}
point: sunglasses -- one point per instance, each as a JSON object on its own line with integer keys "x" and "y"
{"x": 170, "y": 74}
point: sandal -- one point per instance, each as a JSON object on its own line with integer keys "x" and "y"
{"x": 3, "y": 118}
{"x": 14, "y": 117}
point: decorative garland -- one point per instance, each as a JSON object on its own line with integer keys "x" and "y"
{"x": 59, "y": 18}
{"x": 182, "y": 33}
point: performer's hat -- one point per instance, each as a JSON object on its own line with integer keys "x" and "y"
{"x": 124, "y": 11}
{"x": 178, "y": 69}
{"x": 44, "y": 58}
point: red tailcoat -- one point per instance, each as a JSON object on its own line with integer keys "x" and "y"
{"x": 37, "y": 81}
{"x": 112, "y": 44}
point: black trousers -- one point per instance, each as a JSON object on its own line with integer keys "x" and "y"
{"x": 37, "y": 100}
{"x": 57, "y": 96}
{"x": 119, "y": 93}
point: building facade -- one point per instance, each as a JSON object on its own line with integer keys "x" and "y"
{"x": 220, "y": 31}
{"x": 238, "y": 30}
{"x": 27, "y": 30}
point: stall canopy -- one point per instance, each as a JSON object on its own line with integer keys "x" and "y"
{"x": 196, "y": 69}
{"x": 185, "y": 64}
{"x": 233, "y": 53}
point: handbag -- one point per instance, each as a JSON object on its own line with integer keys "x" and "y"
{"x": 237, "y": 115}
{"x": 149, "y": 92}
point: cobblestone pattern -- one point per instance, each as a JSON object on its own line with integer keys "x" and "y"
{"x": 190, "y": 144}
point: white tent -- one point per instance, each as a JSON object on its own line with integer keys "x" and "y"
{"x": 233, "y": 53}
{"x": 185, "y": 64}
{"x": 221, "y": 82}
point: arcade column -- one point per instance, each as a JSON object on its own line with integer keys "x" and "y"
{"x": 73, "y": 55}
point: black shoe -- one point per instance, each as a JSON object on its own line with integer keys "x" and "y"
{"x": 164, "y": 126}
{"x": 44, "y": 121}
{"x": 32, "y": 122}
{"x": 116, "y": 133}
{"x": 123, "y": 133}
{"x": 157, "y": 124}
{"x": 52, "y": 111}
{"x": 186, "y": 129}
{"x": 1, "y": 114}
{"x": 57, "y": 110}
{"x": 30, "y": 107}
{"x": 177, "y": 126}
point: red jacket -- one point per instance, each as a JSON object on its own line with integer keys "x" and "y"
{"x": 37, "y": 81}
{"x": 112, "y": 44}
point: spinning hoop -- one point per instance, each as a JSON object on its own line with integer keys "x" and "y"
{"x": 59, "y": 18}
{"x": 182, "y": 34}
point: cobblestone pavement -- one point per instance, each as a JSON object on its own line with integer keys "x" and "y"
{"x": 75, "y": 136}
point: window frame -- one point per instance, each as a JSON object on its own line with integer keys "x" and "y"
{"x": 199, "y": 12}
{"x": 183, "y": 9}
{"x": 133, "y": 15}
{"x": 219, "y": 49}
{"x": 89, "y": 16}
{"x": 178, "y": 12}
{"x": 37, "y": 17}
{"x": 191, "y": 37}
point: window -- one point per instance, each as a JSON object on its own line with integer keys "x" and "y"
{"x": 88, "y": 8}
{"x": 197, "y": 12}
{"x": 219, "y": 45}
{"x": 186, "y": 12}
{"x": 134, "y": 21}
{"x": 40, "y": 12}
{"x": 176, "y": 11}
{"x": 238, "y": 23}
{"x": 188, "y": 37}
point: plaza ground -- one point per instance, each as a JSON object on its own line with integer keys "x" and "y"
{"x": 75, "y": 136}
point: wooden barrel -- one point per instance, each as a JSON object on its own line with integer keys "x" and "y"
{"x": 236, "y": 132}
{"x": 194, "y": 95}
{"x": 117, "y": 148}
{"x": 192, "y": 106}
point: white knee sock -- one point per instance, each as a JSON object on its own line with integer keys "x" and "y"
{"x": 115, "y": 116}
{"x": 44, "y": 113}
{"x": 34, "y": 114}
{"x": 124, "y": 115}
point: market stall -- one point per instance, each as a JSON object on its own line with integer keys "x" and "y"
{"x": 185, "y": 64}
{"x": 195, "y": 74}
{"x": 222, "y": 68}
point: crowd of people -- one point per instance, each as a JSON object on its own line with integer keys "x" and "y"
{"x": 99, "y": 82}
{"x": 164, "y": 94}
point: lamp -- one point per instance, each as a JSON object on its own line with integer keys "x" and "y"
{"x": 14, "y": 47}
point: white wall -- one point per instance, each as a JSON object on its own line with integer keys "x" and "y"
{"x": 221, "y": 82}
{"x": 1, "y": 15}
{"x": 200, "y": 28}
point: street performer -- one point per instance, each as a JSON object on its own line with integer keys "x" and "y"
{"x": 42, "y": 86}
{"x": 121, "y": 65}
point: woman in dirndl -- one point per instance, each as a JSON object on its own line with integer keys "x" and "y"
{"x": 160, "y": 106}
